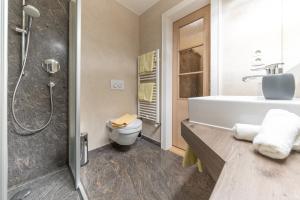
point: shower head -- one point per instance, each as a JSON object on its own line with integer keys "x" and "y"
{"x": 31, "y": 11}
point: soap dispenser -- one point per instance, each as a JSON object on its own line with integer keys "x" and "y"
{"x": 277, "y": 85}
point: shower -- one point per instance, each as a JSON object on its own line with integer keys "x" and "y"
{"x": 50, "y": 65}
{"x": 31, "y": 11}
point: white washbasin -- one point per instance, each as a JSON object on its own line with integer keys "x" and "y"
{"x": 225, "y": 111}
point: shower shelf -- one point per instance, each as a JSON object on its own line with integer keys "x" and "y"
{"x": 190, "y": 73}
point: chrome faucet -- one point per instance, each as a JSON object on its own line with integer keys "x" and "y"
{"x": 247, "y": 78}
{"x": 270, "y": 70}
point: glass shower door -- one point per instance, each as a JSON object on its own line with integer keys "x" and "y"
{"x": 74, "y": 90}
{"x": 3, "y": 98}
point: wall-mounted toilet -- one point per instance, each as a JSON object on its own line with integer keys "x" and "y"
{"x": 126, "y": 135}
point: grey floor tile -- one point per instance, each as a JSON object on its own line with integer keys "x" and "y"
{"x": 54, "y": 186}
{"x": 145, "y": 172}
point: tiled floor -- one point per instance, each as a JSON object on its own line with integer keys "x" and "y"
{"x": 54, "y": 186}
{"x": 145, "y": 172}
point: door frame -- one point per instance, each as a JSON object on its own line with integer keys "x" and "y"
{"x": 168, "y": 18}
{"x": 3, "y": 98}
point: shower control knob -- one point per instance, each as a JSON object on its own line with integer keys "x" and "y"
{"x": 51, "y": 66}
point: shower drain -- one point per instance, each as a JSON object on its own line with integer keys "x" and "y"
{"x": 21, "y": 195}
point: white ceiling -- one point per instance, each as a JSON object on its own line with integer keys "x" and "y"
{"x": 137, "y": 6}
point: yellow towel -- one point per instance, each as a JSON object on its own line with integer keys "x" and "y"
{"x": 191, "y": 159}
{"x": 146, "y": 91}
{"x": 146, "y": 62}
{"x": 123, "y": 121}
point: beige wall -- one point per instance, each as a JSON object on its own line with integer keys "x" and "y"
{"x": 112, "y": 38}
{"x": 150, "y": 25}
{"x": 110, "y": 46}
{"x": 252, "y": 25}
{"x": 291, "y": 39}
{"x": 150, "y": 39}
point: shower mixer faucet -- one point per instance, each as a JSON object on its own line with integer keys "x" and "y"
{"x": 51, "y": 66}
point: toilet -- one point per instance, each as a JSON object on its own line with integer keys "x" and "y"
{"x": 126, "y": 135}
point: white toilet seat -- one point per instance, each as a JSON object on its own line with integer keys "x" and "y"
{"x": 126, "y": 135}
{"x": 133, "y": 127}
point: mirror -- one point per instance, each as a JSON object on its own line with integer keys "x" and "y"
{"x": 258, "y": 25}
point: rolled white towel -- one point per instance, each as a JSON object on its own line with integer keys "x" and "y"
{"x": 277, "y": 134}
{"x": 296, "y": 146}
{"x": 245, "y": 131}
{"x": 249, "y": 131}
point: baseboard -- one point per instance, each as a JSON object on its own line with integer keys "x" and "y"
{"x": 151, "y": 140}
{"x": 177, "y": 151}
{"x": 94, "y": 151}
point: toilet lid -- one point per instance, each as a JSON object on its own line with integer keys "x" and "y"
{"x": 133, "y": 125}
{"x": 131, "y": 128}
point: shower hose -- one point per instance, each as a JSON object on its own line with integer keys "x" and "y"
{"x": 29, "y": 131}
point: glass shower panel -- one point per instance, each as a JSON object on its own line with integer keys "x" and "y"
{"x": 74, "y": 92}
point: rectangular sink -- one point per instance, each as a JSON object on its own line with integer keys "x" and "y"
{"x": 225, "y": 111}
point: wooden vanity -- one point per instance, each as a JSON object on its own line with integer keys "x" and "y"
{"x": 241, "y": 173}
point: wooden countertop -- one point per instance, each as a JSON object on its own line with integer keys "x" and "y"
{"x": 241, "y": 173}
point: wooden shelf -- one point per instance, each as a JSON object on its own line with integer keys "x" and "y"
{"x": 198, "y": 45}
{"x": 191, "y": 73}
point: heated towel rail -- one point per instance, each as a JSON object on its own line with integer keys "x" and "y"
{"x": 151, "y": 110}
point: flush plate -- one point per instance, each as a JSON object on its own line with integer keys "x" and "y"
{"x": 117, "y": 84}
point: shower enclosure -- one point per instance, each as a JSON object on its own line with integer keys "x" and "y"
{"x": 12, "y": 97}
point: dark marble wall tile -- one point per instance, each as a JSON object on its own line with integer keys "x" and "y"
{"x": 36, "y": 155}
